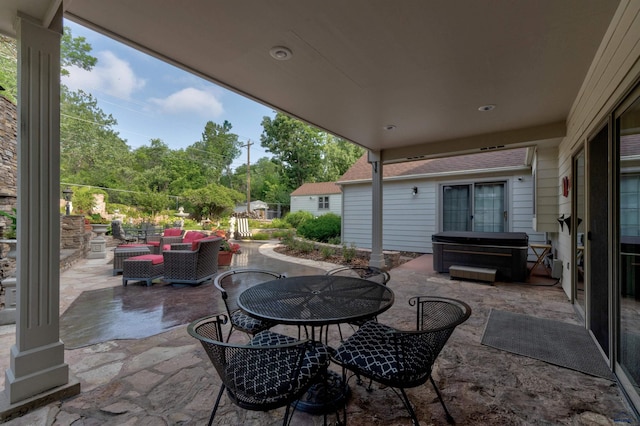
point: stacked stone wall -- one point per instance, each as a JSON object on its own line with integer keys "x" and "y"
{"x": 8, "y": 158}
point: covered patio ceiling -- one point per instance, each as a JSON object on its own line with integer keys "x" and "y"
{"x": 403, "y": 77}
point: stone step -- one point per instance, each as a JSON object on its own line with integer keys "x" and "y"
{"x": 473, "y": 273}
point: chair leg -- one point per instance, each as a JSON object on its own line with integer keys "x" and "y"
{"x": 449, "y": 417}
{"x": 230, "y": 331}
{"x": 215, "y": 407}
{"x": 409, "y": 407}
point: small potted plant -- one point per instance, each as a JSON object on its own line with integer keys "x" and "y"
{"x": 227, "y": 250}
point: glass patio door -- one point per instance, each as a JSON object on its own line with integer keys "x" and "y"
{"x": 628, "y": 288}
{"x": 456, "y": 208}
{"x": 475, "y": 207}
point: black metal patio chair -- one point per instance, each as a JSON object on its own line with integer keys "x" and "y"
{"x": 231, "y": 284}
{"x": 404, "y": 359}
{"x": 118, "y": 232}
{"x": 272, "y": 371}
{"x": 370, "y": 273}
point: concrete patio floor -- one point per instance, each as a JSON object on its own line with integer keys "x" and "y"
{"x": 166, "y": 379}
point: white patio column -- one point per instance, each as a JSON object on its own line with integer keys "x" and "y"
{"x": 377, "y": 258}
{"x": 38, "y": 370}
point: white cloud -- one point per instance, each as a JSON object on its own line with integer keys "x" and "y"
{"x": 190, "y": 100}
{"x": 111, "y": 75}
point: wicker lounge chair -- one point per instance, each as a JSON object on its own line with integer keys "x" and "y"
{"x": 272, "y": 371}
{"x": 193, "y": 266}
{"x": 404, "y": 359}
{"x": 168, "y": 237}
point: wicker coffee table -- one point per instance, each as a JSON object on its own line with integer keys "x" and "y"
{"x": 125, "y": 252}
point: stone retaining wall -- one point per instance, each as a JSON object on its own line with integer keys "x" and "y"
{"x": 8, "y": 158}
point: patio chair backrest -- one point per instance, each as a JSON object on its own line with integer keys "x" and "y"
{"x": 117, "y": 231}
{"x": 370, "y": 273}
{"x": 233, "y": 282}
{"x": 436, "y": 319}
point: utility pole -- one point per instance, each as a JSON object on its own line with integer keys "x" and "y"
{"x": 248, "y": 145}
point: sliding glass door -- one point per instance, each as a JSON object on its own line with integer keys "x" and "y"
{"x": 628, "y": 337}
{"x": 474, "y": 207}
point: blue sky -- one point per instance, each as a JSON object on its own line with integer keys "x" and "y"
{"x": 151, "y": 99}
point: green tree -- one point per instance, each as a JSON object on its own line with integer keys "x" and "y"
{"x": 296, "y": 147}
{"x": 212, "y": 201}
{"x": 152, "y": 202}
{"x": 9, "y": 68}
{"x": 217, "y": 150}
{"x": 264, "y": 172}
{"x": 338, "y": 155}
{"x": 74, "y": 51}
{"x": 91, "y": 152}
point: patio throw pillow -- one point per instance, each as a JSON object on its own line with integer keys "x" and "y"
{"x": 172, "y": 232}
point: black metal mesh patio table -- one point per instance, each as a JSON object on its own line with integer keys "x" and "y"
{"x": 316, "y": 300}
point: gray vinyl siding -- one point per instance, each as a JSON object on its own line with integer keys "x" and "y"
{"x": 410, "y": 220}
{"x": 310, "y": 203}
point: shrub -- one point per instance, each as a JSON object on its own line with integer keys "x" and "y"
{"x": 280, "y": 234}
{"x": 288, "y": 239}
{"x": 298, "y": 218}
{"x": 335, "y": 241}
{"x": 322, "y": 228}
{"x": 326, "y": 252}
{"x": 260, "y": 236}
{"x": 306, "y": 246}
{"x": 348, "y": 253}
{"x": 280, "y": 224}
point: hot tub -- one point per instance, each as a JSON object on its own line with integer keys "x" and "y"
{"x": 504, "y": 251}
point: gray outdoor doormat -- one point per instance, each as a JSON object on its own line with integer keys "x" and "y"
{"x": 556, "y": 342}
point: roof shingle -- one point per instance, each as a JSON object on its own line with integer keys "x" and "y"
{"x": 361, "y": 170}
{"x": 317, "y": 188}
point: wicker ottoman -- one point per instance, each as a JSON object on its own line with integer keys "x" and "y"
{"x": 123, "y": 252}
{"x": 147, "y": 268}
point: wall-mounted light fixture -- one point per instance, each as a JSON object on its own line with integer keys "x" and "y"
{"x": 414, "y": 191}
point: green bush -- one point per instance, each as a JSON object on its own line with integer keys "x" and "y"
{"x": 348, "y": 253}
{"x": 326, "y": 252}
{"x": 260, "y": 236}
{"x": 322, "y": 228}
{"x": 288, "y": 239}
{"x": 281, "y": 234}
{"x": 305, "y": 246}
{"x": 280, "y": 224}
{"x": 335, "y": 241}
{"x": 298, "y": 218}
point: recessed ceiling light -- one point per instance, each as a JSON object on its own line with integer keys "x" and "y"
{"x": 281, "y": 53}
{"x": 389, "y": 127}
{"x": 486, "y": 108}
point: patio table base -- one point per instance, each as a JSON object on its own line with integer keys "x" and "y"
{"x": 324, "y": 397}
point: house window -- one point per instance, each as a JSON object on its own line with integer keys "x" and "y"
{"x": 323, "y": 203}
{"x": 475, "y": 207}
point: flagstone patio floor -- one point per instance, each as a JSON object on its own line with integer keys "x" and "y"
{"x": 166, "y": 378}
